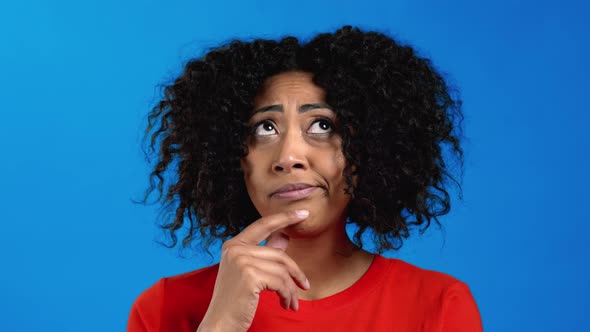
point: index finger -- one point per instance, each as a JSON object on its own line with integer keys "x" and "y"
{"x": 259, "y": 230}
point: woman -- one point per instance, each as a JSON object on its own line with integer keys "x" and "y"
{"x": 287, "y": 142}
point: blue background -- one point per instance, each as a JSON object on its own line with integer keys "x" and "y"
{"x": 78, "y": 77}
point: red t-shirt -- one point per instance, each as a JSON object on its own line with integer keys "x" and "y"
{"x": 391, "y": 296}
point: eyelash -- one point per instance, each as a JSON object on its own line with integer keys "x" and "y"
{"x": 316, "y": 120}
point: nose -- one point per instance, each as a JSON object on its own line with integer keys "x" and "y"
{"x": 291, "y": 154}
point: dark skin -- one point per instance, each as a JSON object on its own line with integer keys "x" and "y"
{"x": 307, "y": 256}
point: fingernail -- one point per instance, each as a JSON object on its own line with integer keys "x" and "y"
{"x": 306, "y": 284}
{"x": 296, "y": 305}
{"x": 302, "y": 213}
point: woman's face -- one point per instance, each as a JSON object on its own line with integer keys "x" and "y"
{"x": 295, "y": 158}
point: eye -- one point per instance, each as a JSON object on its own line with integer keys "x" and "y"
{"x": 321, "y": 126}
{"x": 264, "y": 128}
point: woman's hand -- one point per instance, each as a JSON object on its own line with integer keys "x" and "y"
{"x": 246, "y": 269}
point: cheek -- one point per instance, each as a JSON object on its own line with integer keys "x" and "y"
{"x": 339, "y": 163}
{"x": 254, "y": 176}
{"x": 339, "y": 180}
{"x": 248, "y": 169}
{"x": 252, "y": 163}
{"x": 333, "y": 168}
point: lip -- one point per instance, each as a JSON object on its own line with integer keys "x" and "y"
{"x": 294, "y": 191}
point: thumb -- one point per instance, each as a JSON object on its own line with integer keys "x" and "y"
{"x": 277, "y": 240}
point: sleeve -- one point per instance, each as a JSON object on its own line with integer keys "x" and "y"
{"x": 146, "y": 311}
{"x": 460, "y": 312}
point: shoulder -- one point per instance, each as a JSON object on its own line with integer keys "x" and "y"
{"x": 445, "y": 300}
{"x": 180, "y": 296}
{"x": 197, "y": 282}
{"x": 414, "y": 277}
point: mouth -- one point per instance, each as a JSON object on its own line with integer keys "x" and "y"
{"x": 294, "y": 191}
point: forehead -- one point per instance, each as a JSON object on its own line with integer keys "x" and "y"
{"x": 289, "y": 87}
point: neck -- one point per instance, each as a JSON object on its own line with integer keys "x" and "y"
{"x": 330, "y": 261}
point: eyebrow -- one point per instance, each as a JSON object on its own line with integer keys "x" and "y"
{"x": 302, "y": 108}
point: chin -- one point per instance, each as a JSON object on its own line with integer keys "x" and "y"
{"x": 304, "y": 229}
{"x": 310, "y": 228}
{"x": 317, "y": 222}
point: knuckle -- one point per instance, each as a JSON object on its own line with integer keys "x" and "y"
{"x": 289, "y": 264}
{"x": 249, "y": 272}
{"x": 241, "y": 260}
{"x": 226, "y": 245}
{"x": 288, "y": 281}
{"x": 282, "y": 256}
{"x": 285, "y": 258}
{"x": 230, "y": 253}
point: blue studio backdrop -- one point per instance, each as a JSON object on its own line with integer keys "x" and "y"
{"x": 77, "y": 79}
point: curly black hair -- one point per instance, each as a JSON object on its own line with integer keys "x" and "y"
{"x": 400, "y": 124}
